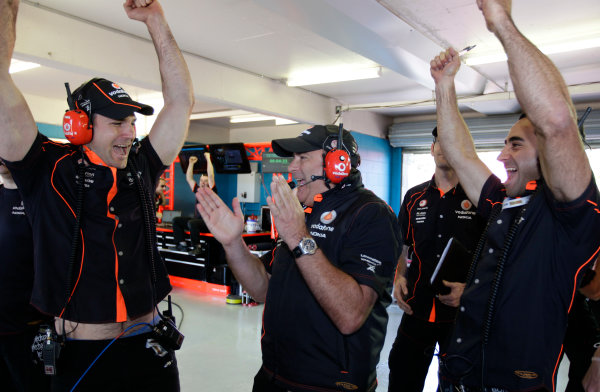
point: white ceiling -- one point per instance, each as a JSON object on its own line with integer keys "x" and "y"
{"x": 242, "y": 50}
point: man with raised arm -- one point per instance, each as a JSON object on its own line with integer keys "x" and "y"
{"x": 543, "y": 224}
{"x": 194, "y": 224}
{"x": 325, "y": 284}
{"x": 97, "y": 268}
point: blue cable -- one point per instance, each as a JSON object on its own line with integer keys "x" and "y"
{"x": 105, "y": 348}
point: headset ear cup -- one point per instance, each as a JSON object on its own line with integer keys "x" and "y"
{"x": 77, "y": 127}
{"x": 337, "y": 165}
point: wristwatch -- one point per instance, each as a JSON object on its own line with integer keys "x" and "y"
{"x": 307, "y": 246}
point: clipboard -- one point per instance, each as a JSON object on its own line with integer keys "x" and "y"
{"x": 452, "y": 267}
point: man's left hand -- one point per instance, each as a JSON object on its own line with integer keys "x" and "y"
{"x": 287, "y": 212}
{"x": 456, "y": 290}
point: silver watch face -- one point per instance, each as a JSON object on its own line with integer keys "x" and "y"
{"x": 308, "y": 246}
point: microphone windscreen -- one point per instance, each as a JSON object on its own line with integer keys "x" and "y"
{"x": 292, "y": 184}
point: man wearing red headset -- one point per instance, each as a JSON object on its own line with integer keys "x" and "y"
{"x": 97, "y": 269}
{"x": 325, "y": 286}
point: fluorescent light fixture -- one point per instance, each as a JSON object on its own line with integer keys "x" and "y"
{"x": 18, "y": 66}
{"x": 332, "y": 75}
{"x": 220, "y": 113}
{"x": 260, "y": 117}
{"x": 250, "y": 118}
{"x": 546, "y": 49}
{"x": 284, "y": 121}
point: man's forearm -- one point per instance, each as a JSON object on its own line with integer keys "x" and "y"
{"x": 8, "y": 18}
{"x": 248, "y": 269}
{"x": 452, "y": 130}
{"x": 539, "y": 87}
{"x": 175, "y": 76}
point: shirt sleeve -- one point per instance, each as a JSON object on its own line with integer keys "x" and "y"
{"x": 153, "y": 161}
{"x": 371, "y": 246}
{"x": 403, "y": 217}
{"x": 579, "y": 218}
{"x": 493, "y": 192}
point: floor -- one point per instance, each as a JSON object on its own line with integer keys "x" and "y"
{"x": 221, "y": 350}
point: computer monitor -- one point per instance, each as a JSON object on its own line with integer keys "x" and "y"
{"x": 197, "y": 150}
{"x": 229, "y": 158}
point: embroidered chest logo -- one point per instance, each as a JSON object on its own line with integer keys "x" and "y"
{"x": 466, "y": 205}
{"x": 346, "y": 385}
{"x": 423, "y": 203}
{"x": 526, "y": 374}
{"x": 328, "y": 216}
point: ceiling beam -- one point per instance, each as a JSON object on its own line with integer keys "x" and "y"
{"x": 68, "y": 43}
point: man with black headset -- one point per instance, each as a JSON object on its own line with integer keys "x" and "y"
{"x": 542, "y": 229}
{"x": 97, "y": 268}
{"x": 325, "y": 284}
{"x": 431, "y": 214}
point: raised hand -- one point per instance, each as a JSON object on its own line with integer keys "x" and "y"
{"x": 445, "y": 65}
{"x": 495, "y": 12}
{"x": 287, "y": 212}
{"x": 142, "y": 9}
{"x": 226, "y": 225}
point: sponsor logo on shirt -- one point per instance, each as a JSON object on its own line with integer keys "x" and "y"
{"x": 526, "y": 374}
{"x": 328, "y": 216}
{"x": 18, "y": 210}
{"x": 466, "y": 204}
{"x": 423, "y": 203}
{"x": 371, "y": 262}
{"x": 346, "y": 385}
{"x": 320, "y": 230}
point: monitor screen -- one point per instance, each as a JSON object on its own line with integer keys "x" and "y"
{"x": 197, "y": 150}
{"x": 265, "y": 218}
{"x": 229, "y": 158}
{"x": 273, "y": 163}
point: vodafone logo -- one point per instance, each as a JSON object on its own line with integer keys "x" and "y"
{"x": 116, "y": 86}
{"x": 328, "y": 217}
{"x": 341, "y": 167}
{"x": 423, "y": 203}
{"x": 466, "y": 205}
{"x": 67, "y": 127}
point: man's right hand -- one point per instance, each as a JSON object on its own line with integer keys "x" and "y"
{"x": 226, "y": 225}
{"x": 400, "y": 292}
{"x": 193, "y": 160}
{"x": 495, "y": 12}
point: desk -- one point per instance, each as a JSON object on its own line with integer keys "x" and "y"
{"x": 210, "y": 266}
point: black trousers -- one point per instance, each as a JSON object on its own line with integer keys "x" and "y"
{"x": 412, "y": 352}
{"x": 583, "y": 332}
{"x": 17, "y": 371}
{"x": 263, "y": 382}
{"x": 194, "y": 225}
{"x": 130, "y": 364}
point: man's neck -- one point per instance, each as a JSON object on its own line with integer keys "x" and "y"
{"x": 7, "y": 181}
{"x": 445, "y": 179}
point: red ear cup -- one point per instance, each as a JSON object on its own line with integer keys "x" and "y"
{"x": 337, "y": 165}
{"x": 77, "y": 127}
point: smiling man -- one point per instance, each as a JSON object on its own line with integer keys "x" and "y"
{"x": 96, "y": 265}
{"x": 325, "y": 284}
{"x": 543, "y": 224}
